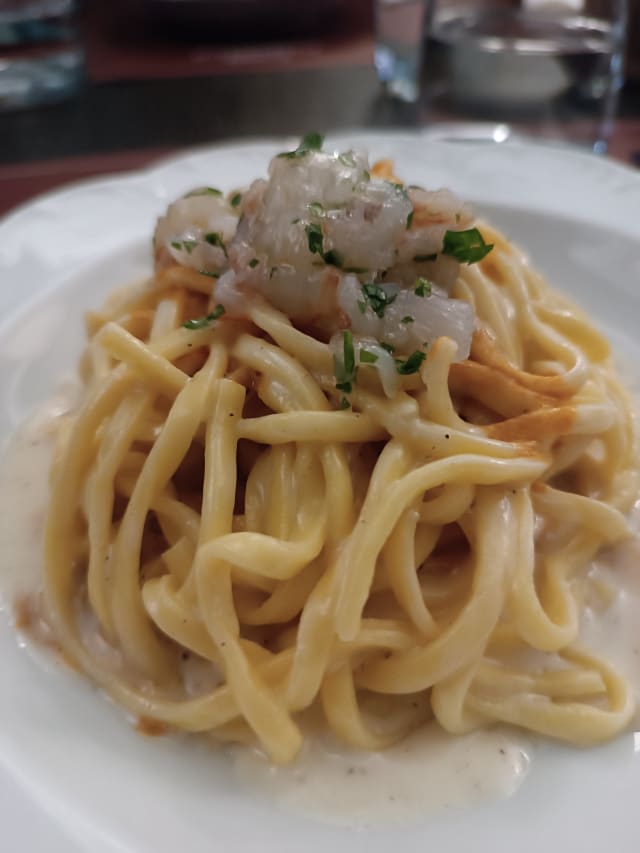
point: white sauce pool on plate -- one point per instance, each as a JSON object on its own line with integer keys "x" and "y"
{"x": 610, "y": 624}
{"x": 24, "y": 495}
{"x": 426, "y": 773}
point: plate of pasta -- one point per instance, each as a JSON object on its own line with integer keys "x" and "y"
{"x": 320, "y": 500}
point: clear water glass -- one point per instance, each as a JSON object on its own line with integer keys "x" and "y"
{"x": 398, "y": 52}
{"x": 546, "y": 68}
{"x": 41, "y": 55}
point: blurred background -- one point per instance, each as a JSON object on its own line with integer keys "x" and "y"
{"x": 90, "y": 87}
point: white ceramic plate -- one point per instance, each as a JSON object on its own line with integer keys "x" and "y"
{"x": 73, "y": 773}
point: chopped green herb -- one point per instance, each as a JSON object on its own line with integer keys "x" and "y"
{"x": 467, "y": 247}
{"x": 408, "y": 319}
{"x": 203, "y": 322}
{"x": 316, "y": 208}
{"x": 344, "y": 403}
{"x": 345, "y": 368}
{"x": 400, "y": 189}
{"x": 411, "y": 364}
{"x": 420, "y": 258}
{"x": 314, "y": 238}
{"x": 422, "y": 287}
{"x": 296, "y": 220}
{"x": 348, "y": 352}
{"x": 184, "y": 245}
{"x": 368, "y": 357}
{"x": 236, "y": 198}
{"x": 213, "y": 238}
{"x": 409, "y": 220}
{"x": 316, "y": 246}
{"x": 333, "y": 258}
{"x": 347, "y": 159}
{"x": 310, "y": 142}
{"x": 362, "y": 305}
{"x": 389, "y": 347}
{"x": 378, "y": 299}
{"x": 253, "y": 263}
{"x": 203, "y": 191}
{"x": 209, "y": 273}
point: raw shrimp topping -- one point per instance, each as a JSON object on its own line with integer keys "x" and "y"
{"x": 335, "y": 244}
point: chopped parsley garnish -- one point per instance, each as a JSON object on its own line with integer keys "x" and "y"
{"x": 236, "y": 198}
{"x": 209, "y": 273}
{"x": 389, "y": 347}
{"x": 411, "y": 364}
{"x": 377, "y": 298}
{"x": 367, "y": 357}
{"x": 345, "y": 368}
{"x": 184, "y": 245}
{"x": 333, "y": 258}
{"x": 344, "y": 403}
{"x": 347, "y": 159}
{"x": 314, "y": 238}
{"x": 366, "y": 176}
{"x": 408, "y": 319}
{"x": 315, "y": 241}
{"x": 203, "y": 191}
{"x": 467, "y": 247}
{"x": 310, "y": 142}
{"x": 253, "y": 263}
{"x": 409, "y": 220}
{"x": 213, "y": 238}
{"x": 316, "y": 208}
{"x": 203, "y": 322}
{"x": 400, "y": 189}
{"x": 422, "y": 287}
{"x": 420, "y": 258}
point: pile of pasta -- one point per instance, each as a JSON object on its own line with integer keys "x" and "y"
{"x": 405, "y": 559}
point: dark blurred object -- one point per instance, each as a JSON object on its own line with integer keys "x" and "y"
{"x": 633, "y": 43}
{"x": 127, "y": 45}
{"x": 224, "y": 20}
{"x": 41, "y": 57}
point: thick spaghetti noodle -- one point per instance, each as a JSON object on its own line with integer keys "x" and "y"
{"x": 226, "y": 493}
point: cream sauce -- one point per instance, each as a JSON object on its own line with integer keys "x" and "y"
{"x": 428, "y": 772}
{"x": 610, "y": 623}
{"x": 24, "y": 496}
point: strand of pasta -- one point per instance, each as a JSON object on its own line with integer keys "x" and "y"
{"x": 463, "y": 641}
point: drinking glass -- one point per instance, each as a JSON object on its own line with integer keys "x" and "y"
{"x": 547, "y": 68}
{"x": 400, "y": 31}
{"x": 41, "y": 56}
